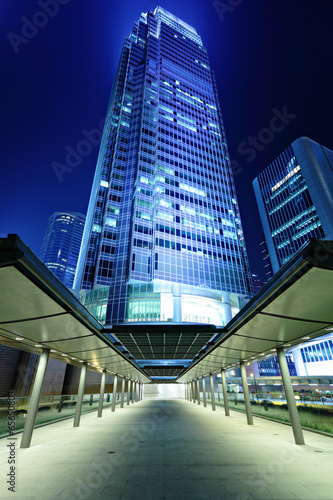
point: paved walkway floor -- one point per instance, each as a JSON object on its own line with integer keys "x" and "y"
{"x": 169, "y": 449}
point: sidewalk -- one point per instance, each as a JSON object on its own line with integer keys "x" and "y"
{"x": 169, "y": 449}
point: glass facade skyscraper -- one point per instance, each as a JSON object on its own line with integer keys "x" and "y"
{"x": 295, "y": 199}
{"x": 163, "y": 239}
{"x": 61, "y": 245}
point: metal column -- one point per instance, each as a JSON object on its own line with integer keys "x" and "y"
{"x": 204, "y": 392}
{"x": 101, "y": 394}
{"x": 133, "y": 391}
{"x": 122, "y": 393}
{"x": 288, "y": 390}
{"x": 198, "y": 390}
{"x": 248, "y": 408}
{"x": 129, "y": 383}
{"x": 225, "y": 393}
{"x": 114, "y": 396}
{"x": 34, "y": 400}
{"x": 80, "y": 393}
{"x": 212, "y": 391}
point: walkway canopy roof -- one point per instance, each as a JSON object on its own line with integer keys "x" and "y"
{"x": 37, "y": 311}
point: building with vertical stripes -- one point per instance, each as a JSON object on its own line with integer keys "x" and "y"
{"x": 295, "y": 199}
{"x": 61, "y": 245}
{"x": 163, "y": 240}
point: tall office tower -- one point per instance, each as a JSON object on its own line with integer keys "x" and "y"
{"x": 163, "y": 239}
{"x": 295, "y": 199}
{"x": 61, "y": 245}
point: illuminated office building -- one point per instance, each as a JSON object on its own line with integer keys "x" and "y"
{"x": 295, "y": 199}
{"x": 315, "y": 357}
{"x": 163, "y": 239}
{"x": 61, "y": 245}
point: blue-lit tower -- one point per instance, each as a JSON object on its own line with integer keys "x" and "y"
{"x": 61, "y": 245}
{"x": 163, "y": 239}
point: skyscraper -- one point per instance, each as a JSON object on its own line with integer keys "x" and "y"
{"x": 295, "y": 199}
{"x": 163, "y": 239}
{"x": 61, "y": 245}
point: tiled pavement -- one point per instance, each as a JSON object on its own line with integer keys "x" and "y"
{"x": 169, "y": 449}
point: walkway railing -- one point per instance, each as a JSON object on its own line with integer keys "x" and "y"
{"x": 50, "y": 409}
{"x": 315, "y": 411}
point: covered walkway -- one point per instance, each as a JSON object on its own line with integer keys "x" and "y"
{"x": 170, "y": 449}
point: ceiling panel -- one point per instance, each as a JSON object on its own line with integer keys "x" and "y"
{"x": 297, "y": 302}
{"x": 20, "y": 291}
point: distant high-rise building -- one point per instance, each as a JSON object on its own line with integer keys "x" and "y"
{"x": 163, "y": 239}
{"x": 61, "y": 245}
{"x": 295, "y": 199}
{"x": 257, "y": 283}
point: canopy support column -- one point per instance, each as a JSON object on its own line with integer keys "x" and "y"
{"x": 34, "y": 399}
{"x": 288, "y": 390}
{"x": 101, "y": 394}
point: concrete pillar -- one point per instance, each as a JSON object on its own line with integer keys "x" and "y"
{"x": 122, "y": 393}
{"x": 185, "y": 387}
{"x": 204, "y": 392}
{"x": 142, "y": 387}
{"x": 101, "y": 394}
{"x": 34, "y": 399}
{"x": 115, "y": 382}
{"x": 177, "y": 303}
{"x": 288, "y": 390}
{"x": 248, "y": 408}
{"x": 212, "y": 391}
{"x": 198, "y": 390}
{"x": 225, "y": 393}
{"x": 193, "y": 391}
{"x": 129, "y": 383}
{"x": 80, "y": 393}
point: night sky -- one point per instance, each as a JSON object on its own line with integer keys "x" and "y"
{"x": 269, "y": 57}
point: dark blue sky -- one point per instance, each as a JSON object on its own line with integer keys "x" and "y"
{"x": 268, "y": 56}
